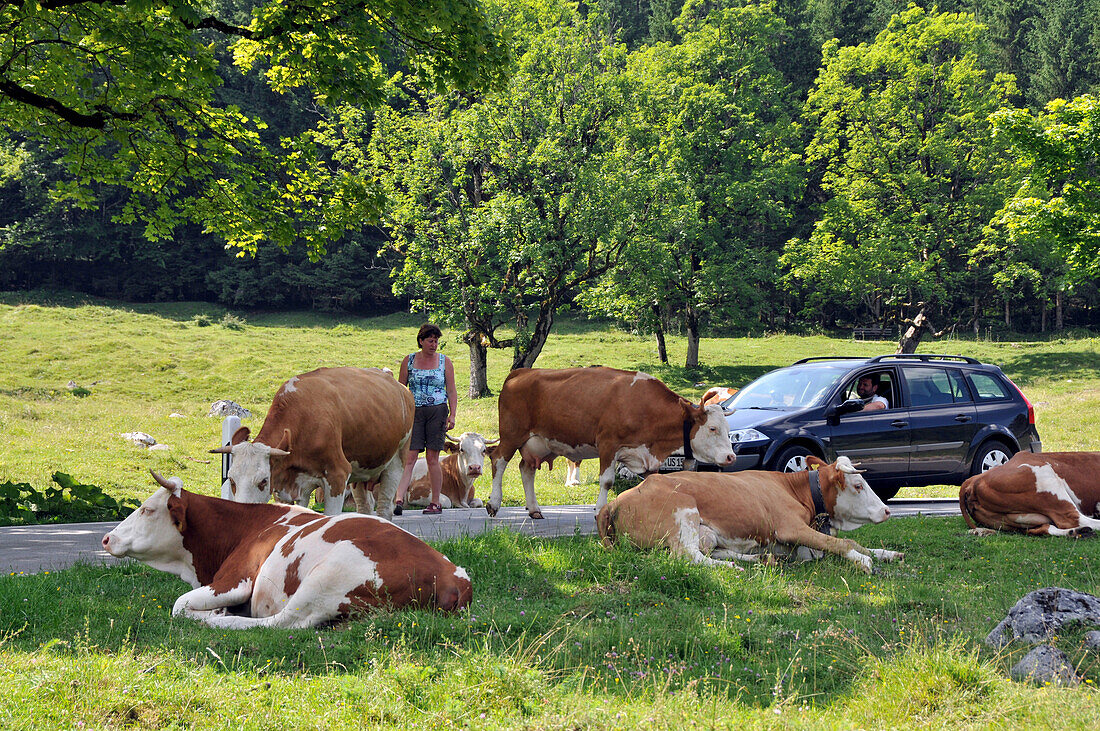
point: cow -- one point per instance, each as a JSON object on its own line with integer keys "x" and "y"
{"x": 712, "y": 396}
{"x": 716, "y": 396}
{"x": 1052, "y": 493}
{"x": 282, "y": 565}
{"x": 628, "y": 417}
{"x": 753, "y": 516}
{"x": 324, "y": 429}
{"x": 461, "y": 468}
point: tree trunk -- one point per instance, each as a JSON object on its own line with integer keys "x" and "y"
{"x": 1008, "y": 316}
{"x": 662, "y": 348}
{"x": 977, "y": 311}
{"x": 1059, "y": 322}
{"x": 911, "y": 339}
{"x": 479, "y": 381}
{"x": 692, "y": 322}
{"x": 1043, "y": 319}
{"x": 526, "y": 354}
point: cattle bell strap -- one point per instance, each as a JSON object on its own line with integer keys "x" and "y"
{"x": 820, "y": 522}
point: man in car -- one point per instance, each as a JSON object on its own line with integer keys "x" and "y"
{"x": 867, "y": 388}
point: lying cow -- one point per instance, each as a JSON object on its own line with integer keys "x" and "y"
{"x": 750, "y": 515}
{"x": 627, "y": 417}
{"x": 283, "y": 565}
{"x": 461, "y": 468}
{"x": 1053, "y": 493}
{"x": 324, "y": 429}
{"x": 714, "y": 396}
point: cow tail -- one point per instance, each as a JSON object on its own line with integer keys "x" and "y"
{"x": 967, "y": 500}
{"x": 605, "y": 524}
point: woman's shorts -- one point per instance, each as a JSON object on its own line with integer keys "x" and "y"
{"x": 429, "y": 428}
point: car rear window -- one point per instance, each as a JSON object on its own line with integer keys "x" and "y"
{"x": 987, "y": 387}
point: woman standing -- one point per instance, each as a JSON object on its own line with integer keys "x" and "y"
{"x": 430, "y": 376}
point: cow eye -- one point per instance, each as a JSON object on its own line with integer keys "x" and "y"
{"x": 263, "y": 483}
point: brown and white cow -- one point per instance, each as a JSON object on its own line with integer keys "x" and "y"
{"x": 282, "y": 565}
{"x": 628, "y": 417}
{"x": 1052, "y": 493}
{"x": 464, "y": 464}
{"x": 324, "y": 429}
{"x": 712, "y": 396}
{"x": 748, "y": 516}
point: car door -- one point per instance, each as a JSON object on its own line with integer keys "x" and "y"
{"x": 877, "y": 440}
{"x": 942, "y": 418}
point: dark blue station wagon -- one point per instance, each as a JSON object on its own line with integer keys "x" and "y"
{"x": 949, "y": 417}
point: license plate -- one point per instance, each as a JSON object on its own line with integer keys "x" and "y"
{"x": 673, "y": 463}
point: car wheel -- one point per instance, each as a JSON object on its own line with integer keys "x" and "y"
{"x": 989, "y": 456}
{"x": 792, "y": 459}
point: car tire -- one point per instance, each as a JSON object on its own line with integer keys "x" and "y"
{"x": 990, "y": 455}
{"x": 792, "y": 459}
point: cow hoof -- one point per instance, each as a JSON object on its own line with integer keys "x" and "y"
{"x": 490, "y": 510}
{"x": 537, "y": 515}
{"x": 1082, "y": 532}
{"x": 982, "y": 531}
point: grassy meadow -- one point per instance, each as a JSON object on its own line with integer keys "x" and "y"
{"x": 562, "y": 633}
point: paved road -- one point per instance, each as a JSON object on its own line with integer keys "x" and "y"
{"x": 30, "y": 549}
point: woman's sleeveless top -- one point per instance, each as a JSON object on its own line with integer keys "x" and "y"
{"x": 429, "y": 387}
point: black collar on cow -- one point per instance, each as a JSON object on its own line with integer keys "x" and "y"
{"x": 821, "y": 522}
{"x": 689, "y": 458}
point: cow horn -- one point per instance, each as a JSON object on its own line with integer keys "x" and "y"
{"x": 491, "y": 442}
{"x": 172, "y": 483}
{"x": 276, "y": 452}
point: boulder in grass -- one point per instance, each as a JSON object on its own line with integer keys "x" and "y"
{"x": 1043, "y": 613}
{"x": 139, "y": 438}
{"x": 1045, "y": 665}
{"x": 224, "y": 408}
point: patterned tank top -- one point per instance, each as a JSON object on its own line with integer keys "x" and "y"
{"x": 429, "y": 387}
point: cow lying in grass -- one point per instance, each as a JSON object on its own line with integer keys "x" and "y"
{"x": 461, "y": 468}
{"x": 266, "y": 565}
{"x": 749, "y": 516}
{"x": 1053, "y": 493}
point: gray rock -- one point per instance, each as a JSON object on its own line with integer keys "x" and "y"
{"x": 1045, "y": 664}
{"x": 140, "y": 438}
{"x": 1092, "y": 640}
{"x": 225, "y": 408}
{"x": 159, "y": 448}
{"x": 1042, "y": 614}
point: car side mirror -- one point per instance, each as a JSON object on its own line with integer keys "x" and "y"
{"x": 850, "y": 406}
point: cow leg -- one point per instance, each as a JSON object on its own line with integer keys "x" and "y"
{"x": 200, "y": 603}
{"x": 572, "y": 473}
{"x": 607, "y": 479}
{"x": 883, "y": 555}
{"x": 843, "y": 547}
{"x": 363, "y": 497}
{"x": 386, "y": 492}
{"x": 527, "y": 476}
{"x": 695, "y": 540}
{"x": 500, "y": 463}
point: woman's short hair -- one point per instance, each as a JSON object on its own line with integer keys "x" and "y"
{"x": 428, "y": 330}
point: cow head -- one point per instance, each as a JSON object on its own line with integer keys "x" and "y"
{"x": 849, "y": 499}
{"x": 472, "y": 449}
{"x": 153, "y": 534}
{"x": 254, "y": 469}
{"x": 710, "y": 437}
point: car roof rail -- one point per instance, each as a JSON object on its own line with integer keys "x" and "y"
{"x": 925, "y": 357}
{"x": 830, "y": 357}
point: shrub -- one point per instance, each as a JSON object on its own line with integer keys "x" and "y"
{"x": 71, "y": 502}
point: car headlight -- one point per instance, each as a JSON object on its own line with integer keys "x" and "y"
{"x": 747, "y": 435}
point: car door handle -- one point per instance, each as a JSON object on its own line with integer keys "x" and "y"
{"x": 899, "y": 423}
{"x": 962, "y": 418}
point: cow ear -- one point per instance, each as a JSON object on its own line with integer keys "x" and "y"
{"x": 241, "y": 435}
{"x": 692, "y": 412}
{"x": 178, "y": 512}
{"x": 815, "y": 463}
{"x": 450, "y": 444}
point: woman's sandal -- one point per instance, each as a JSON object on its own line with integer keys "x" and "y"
{"x": 433, "y": 509}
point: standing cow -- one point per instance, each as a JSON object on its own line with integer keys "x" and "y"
{"x": 1052, "y": 493}
{"x": 325, "y": 428}
{"x": 282, "y": 565}
{"x": 750, "y": 515}
{"x": 628, "y": 417}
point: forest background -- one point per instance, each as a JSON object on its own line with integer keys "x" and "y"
{"x": 716, "y": 167}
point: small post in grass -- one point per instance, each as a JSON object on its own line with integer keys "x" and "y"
{"x": 230, "y": 425}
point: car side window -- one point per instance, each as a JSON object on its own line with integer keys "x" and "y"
{"x": 959, "y": 391}
{"x": 929, "y": 386}
{"x": 986, "y": 387}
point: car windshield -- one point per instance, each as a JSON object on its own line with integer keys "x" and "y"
{"x": 789, "y": 388}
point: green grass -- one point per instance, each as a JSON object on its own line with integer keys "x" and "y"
{"x": 142, "y": 364}
{"x": 562, "y": 634}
